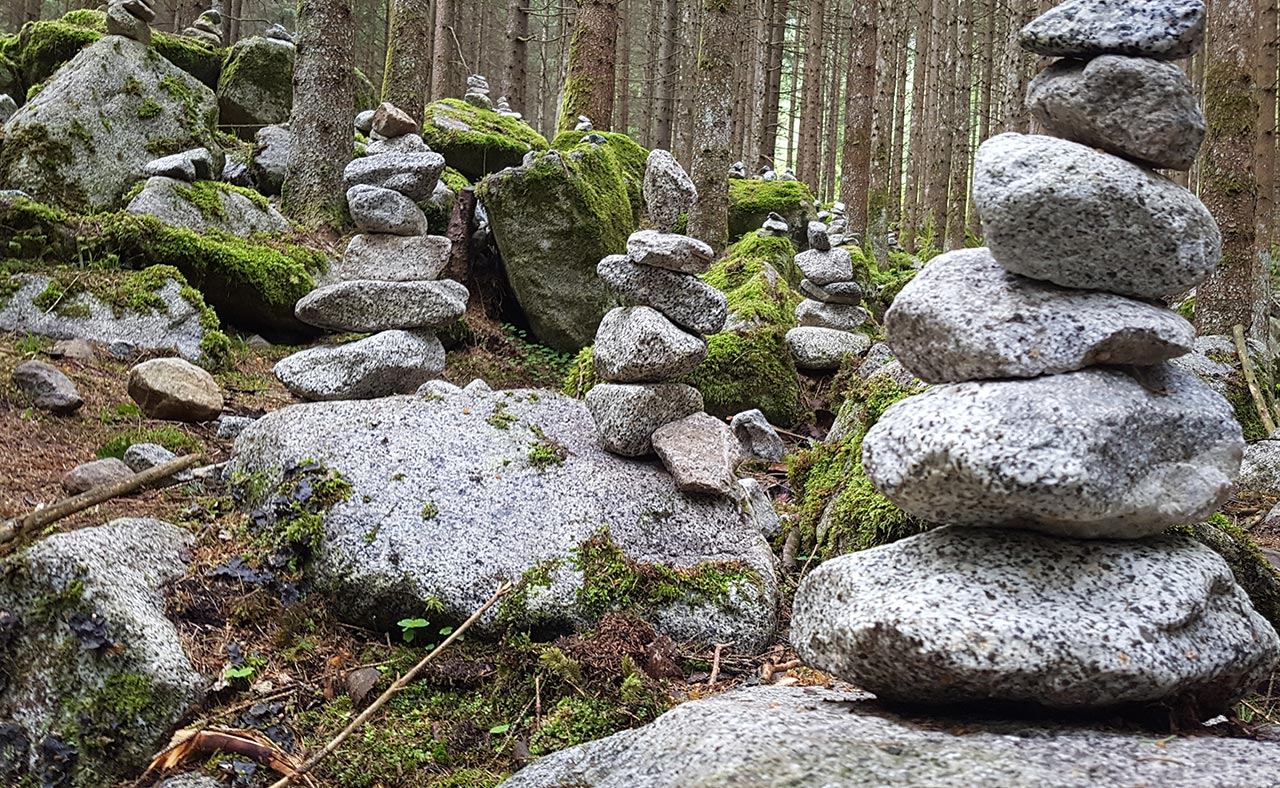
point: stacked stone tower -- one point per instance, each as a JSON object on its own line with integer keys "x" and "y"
{"x": 829, "y": 314}
{"x": 1060, "y": 447}
{"x": 131, "y": 19}
{"x": 387, "y": 282}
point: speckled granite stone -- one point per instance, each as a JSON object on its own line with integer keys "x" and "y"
{"x": 959, "y": 615}
{"x": 826, "y": 267}
{"x": 833, "y": 293}
{"x": 686, "y": 300}
{"x": 1091, "y": 454}
{"x": 367, "y": 305}
{"x": 964, "y": 317}
{"x": 1057, "y": 210}
{"x": 1164, "y": 29}
{"x": 842, "y": 317}
{"x": 636, "y": 344}
{"x": 626, "y": 416}
{"x": 670, "y": 251}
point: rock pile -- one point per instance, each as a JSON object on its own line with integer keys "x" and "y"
{"x": 477, "y": 94}
{"x": 388, "y": 282}
{"x": 503, "y": 108}
{"x": 207, "y": 28}
{"x": 640, "y": 349}
{"x": 830, "y": 312}
{"x": 1083, "y": 600}
{"x": 131, "y": 19}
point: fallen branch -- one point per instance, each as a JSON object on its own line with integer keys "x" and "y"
{"x": 1255, "y": 392}
{"x": 715, "y": 663}
{"x": 399, "y": 684}
{"x": 69, "y": 506}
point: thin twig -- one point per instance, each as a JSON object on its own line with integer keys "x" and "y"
{"x": 1255, "y": 391}
{"x": 715, "y": 663}
{"x": 399, "y": 684}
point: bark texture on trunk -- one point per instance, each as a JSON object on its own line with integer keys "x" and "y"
{"x": 589, "y": 86}
{"x": 408, "y": 70}
{"x": 713, "y": 108}
{"x": 516, "y": 83}
{"x": 860, "y": 95}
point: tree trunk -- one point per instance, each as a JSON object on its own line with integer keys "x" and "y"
{"x": 1236, "y": 293}
{"x": 622, "y": 109}
{"x": 408, "y": 69}
{"x": 516, "y": 83}
{"x": 588, "y": 88}
{"x": 1266, "y": 137}
{"x": 773, "y": 94}
{"x": 442, "y": 82}
{"x": 709, "y": 217}
{"x": 961, "y": 117}
{"x": 915, "y": 152}
{"x": 860, "y": 94}
{"x": 324, "y": 104}
{"x": 896, "y": 151}
{"x": 668, "y": 68}
{"x": 811, "y": 104}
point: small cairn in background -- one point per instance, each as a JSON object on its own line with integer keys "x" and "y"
{"x": 829, "y": 315}
{"x": 131, "y": 19}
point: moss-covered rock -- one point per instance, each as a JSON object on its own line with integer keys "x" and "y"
{"x": 751, "y": 202}
{"x": 477, "y": 142}
{"x": 631, "y": 156}
{"x": 553, "y": 221}
{"x": 256, "y": 87}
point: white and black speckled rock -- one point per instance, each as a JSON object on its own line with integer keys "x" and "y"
{"x": 1060, "y": 211}
{"x": 1096, "y": 454}
{"x": 412, "y": 174}
{"x": 1260, "y": 470}
{"x": 367, "y": 305}
{"x": 964, "y": 317}
{"x": 819, "y": 238}
{"x": 842, "y": 317}
{"x": 1138, "y": 108}
{"x": 668, "y": 190}
{"x": 671, "y": 251}
{"x": 824, "y": 268}
{"x": 832, "y": 293}
{"x": 378, "y": 210}
{"x": 392, "y": 258}
{"x": 407, "y": 143}
{"x": 961, "y": 615}
{"x": 1163, "y": 29}
{"x": 758, "y": 437}
{"x": 389, "y": 362}
{"x": 700, "y": 452}
{"x": 626, "y": 416}
{"x": 824, "y": 348}
{"x": 686, "y": 300}
{"x": 636, "y": 344}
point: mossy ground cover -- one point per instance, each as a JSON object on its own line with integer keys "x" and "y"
{"x": 477, "y": 142}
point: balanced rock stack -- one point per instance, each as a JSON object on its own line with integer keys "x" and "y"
{"x": 131, "y": 19}
{"x": 1055, "y": 581}
{"x": 387, "y": 282}
{"x": 207, "y": 28}
{"x": 640, "y": 349}
{"x": 830, "y": 312}
{"x": 477, "y": 94}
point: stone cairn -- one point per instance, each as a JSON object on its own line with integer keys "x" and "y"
{"x": 830, "y": 312}
{"x": 207, "y": 28}
{"x": 388, "y": 280}
{"x": 131, "y": 19}
{"x": 477, "y": 94}
{"x": 503, "y": 108}
{"x": 639, "y": 350}
{"x": 1055, "y": 581}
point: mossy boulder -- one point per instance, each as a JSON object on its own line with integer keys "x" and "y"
{"x": 206, "y": 206}
{"x": 751, "y": 202}
{"x": 85, "y": 138}
{"x": 631, "y": 156}
{"x": 256, "y": 87}
{"x": 475, "y": 141}
{"x": 553, "y": 221}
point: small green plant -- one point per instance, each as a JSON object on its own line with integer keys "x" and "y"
{"x": 409, "y": 628}
{"x": 30, "y": 345}
{"x": 246, "y": 670}
{"x": 545, "y": 451}
{"x": 430, "y": 510}
{"x": 500, "y": 419}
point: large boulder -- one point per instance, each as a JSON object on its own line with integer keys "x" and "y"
{"x": 751, "y": 202}
{"x": 476, "y": 141}
{"x": 256, "y": 87}
{"x": 86, "y": 137}
{"x": 88, "y": 662}
{"x": 449, "y": 495}
{"x": 802, "y": 737}
{"x": 208, "y": 205}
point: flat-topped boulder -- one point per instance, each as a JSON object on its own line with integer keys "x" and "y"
{"x": 818, "y": 348}
{"x": 208, "y": 205}
{"x": 672, "y": 251}
{"x": 1168, "y": 30}
{"x": 389, "y": 362}
{"x": 685, "y": 300}
{"x": 638, "y": 345}
{"x": 827, "y": 267}
{"x": 392, "y": 258}
{"x": 365, "y": 305}
{"x": 414, "y": 175}
{"x": 378, "y": 210}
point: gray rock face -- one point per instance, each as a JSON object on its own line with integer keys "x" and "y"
{"x": 1097, "y": 454}
{"x": 94, "y": 474}
{"x": 818, "y": 237}
{"x": 700, "y": 452}
{"x": 1260, "y": 469}
{"x": 85, "y": 166}
{"x": 496, "y": 515}
{"x": 1082, "y": 29}
{"x": 1138, "y": 108}
{"x": 414, "y": 175}
{"x": 176, "y": 390}
{"x": 984, "y": 614}
{"x": 833, "y": 293}
{"x": 686, "y": 300}
{"x": 191, "y": 165}
{"x": 270, "y": 159}
{"x": 378, "y": 210}
{"x": 122, "y": 23}
{"x": 626, "y": 416}
{"x": 389, "y": 362}
{"x": 393, "y": 258}
{"x": 671, "y": 251}
{"x": 964, "y": 317}
{"x": 230, "y": 427}
{"x": 757, "y": 436}
{"x": 141, "y": 456}
{"x": 255, "y": 88}
{"x": 668, "y": 190}
{"x": 806, "y": 737}
{"x": 7, "y": 107}
{"x": 636, "y": 344}
{"x": 367, "y": 305}
{"x": 169, "y": 200}
{"x": 114, "y": 574}
{"x": 824, "y": 348}
{"x": 824, "y": 268}
{"x": 1061, "y": 211}
{"x": 842, "y": 317}
{"x": 48, "y": 388}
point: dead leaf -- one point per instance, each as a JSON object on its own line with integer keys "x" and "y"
{"x": 190, "y": 744}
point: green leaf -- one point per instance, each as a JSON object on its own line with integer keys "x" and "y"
{"x": 446, "y": 630}
{"x": 503, "y": 728}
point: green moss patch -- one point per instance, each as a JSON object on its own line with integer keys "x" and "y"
{"x": 630, "y": 155}
{"x": 751, "y": 202}
{"x": 477, "y": 142}
{"x": 173, "y": 439}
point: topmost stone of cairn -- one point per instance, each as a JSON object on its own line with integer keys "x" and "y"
{"x": 1160, "y": 29}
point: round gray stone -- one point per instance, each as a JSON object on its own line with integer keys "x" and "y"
{"x": 758, "y": 437}
{"x": 833, "y": 292}
{"x": 1168, "y": 29}
{"x": 671, "y": 251}
{"x": 842, "y": 317}
{"x": 668, "y": 190}
{"x": 626, "y": 416}
{"x": 368, "y": 305}
{"x": 97, "y": 473}
{"x": 821, "y": 349}
{"x": 824, "y": 268}
{"x": 378, "y": 210}
{"x": 389, "y": 362}
{"x": 700, "y": 452}
{"x": 686, "y": 300}
{"x": 636, "y": 344}
{"x": 414, "y": 175}
{"x": 964, "y": 317}
{"x": 49, "y": 389}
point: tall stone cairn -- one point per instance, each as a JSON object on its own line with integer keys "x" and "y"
{"x": 388, "y": 282}
{"x": 828, "y": 315}
{"x": 1059, "y": 447}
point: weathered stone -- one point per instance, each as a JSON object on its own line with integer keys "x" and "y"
{"x": 230, "y": 427}
{"x": 499, "y": 511}
{"x": 478, "y": 142}
{"x": 636, "y": 344}
{"x": 97, "y": 473}
{"x": 74, "y": 349}
{"x": 389, "y": 362}
{"x": 985, "y": 614}
{"x": 7, "y": 107}
{"x": 1260, "y": 468}
{"x": 686, "y": 300}
{"x": 255, "y": 88}
{"x": 700, "y": 452}
{"x": 190, "y": 165}
{"x": 378, "y": 210}
{"x": 48, "y": 388}
{"x": 825, "y": 268}
{"x": 964, "y": 317}
{"x": 1083, "y": 29}
{"x": 367, "y": 305}
{"x": 758, "y": 507}
{"x": 393, "y": 258}
{"x": 409, "y": 143}
{"x": 140, "y": 9}
{"x": 144, "y": 456}
{"x": 122, "y": 23}
{"x": 842, "y": 317}
{"x": 176, "y": 390}
{"x": 824, "y": 348}
{"x": 364, "y": 121}
{"x": 818, "y": 237}
{"x": 833, "y": 292}
{"x": 390, "y": 121}
{"x": 414, "y": 175}
{"x": 175, "y": 203}
{"x": 668, "y": 190}
{"x": 758, "y": 437}
{"x": 1138, "y": 108}
{"x": 626, "y": 416}
{"x": 671, "y": 251}
{"x": 270, "y": 161}
{"x": 1063, "y": 212}
{"x": 1096, "y": 454}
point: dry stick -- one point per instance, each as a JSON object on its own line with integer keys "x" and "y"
{"x": 69, "y": 506}
{"x": 400, "y": 684}
{"x": 715, "y": 663}
{"x": 1254, "y": 390}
